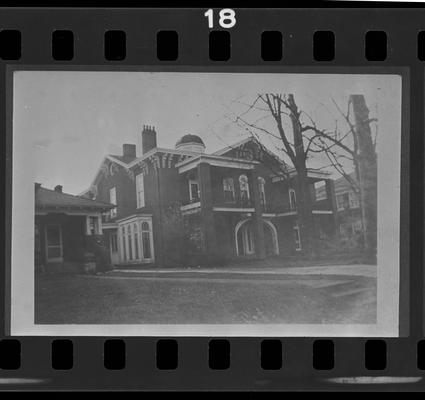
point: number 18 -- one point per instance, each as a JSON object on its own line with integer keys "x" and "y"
{"x": 227, "y": 18}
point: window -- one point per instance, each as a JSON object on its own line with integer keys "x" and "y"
{"x": 113, "y": 200}
{"x": 194, "y": 191}
{"x": 123, "y": 241}
{"x": 136, "y": 241}
{"x": 229, "y": 190}
{"x": 320, "y": 191}
{"x": 140, "y": 190}
{"x": 292, "y": 199}
{"x": 357, "y": 226}
{"x": 130, "y": 247}
{"x": 93, "y": 226}
{"x": 146, "y": 240}
{"x": 297, "y": 238}
{"x": 262, "y": 189}
{"x": 342, "y": 201}
{"x": 244, "y": 188}
{"x": 354, "y": 200}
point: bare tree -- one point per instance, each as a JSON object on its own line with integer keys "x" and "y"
{"x": 303, "y": 138}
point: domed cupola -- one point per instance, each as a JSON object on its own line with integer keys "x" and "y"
{"x": 191, "y": 143}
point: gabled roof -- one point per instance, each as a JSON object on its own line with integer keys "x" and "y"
{"x": 233, "y": 146}
{"x": 256, "y": 142}
{"x": 46, "y": 198}
{"x": 122, "y": 159}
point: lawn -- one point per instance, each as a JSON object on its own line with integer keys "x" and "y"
{"x": 78, "y": 299}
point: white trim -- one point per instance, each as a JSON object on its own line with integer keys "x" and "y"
{"x": 233, "y": 146}
{"x": 190, "y": 206}
{"x": 231, "y": 163}
{"x": 310, "y": 173}
{"x": 73, "y": 213}
{"x": 322, "y": 212}
{"x": 133, "y": 216}
{"x": 240, "y": 209}
{"x": 161, "y": 150}
{"x": 285, "y": 214}
{"x": 116, "y": 161}
{"x": 107, "y": 157}
{"x": 134, "y": 223}
{"x": 299, "y": 246}
{"x": 98, "y": 229}
{"x": 274, "y": 236}
{"x": 111, "y": 225}
{"x": 268, "y": 223}
{"x": 292, "y": 206}
{"x": 99, "y": 225}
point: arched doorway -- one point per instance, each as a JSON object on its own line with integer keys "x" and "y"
{"x": 245, "y": 242}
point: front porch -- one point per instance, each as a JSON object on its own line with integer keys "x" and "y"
{"x": 67, "y": 230}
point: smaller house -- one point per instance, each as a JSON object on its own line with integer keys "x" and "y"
{"x": 66, "y": 226}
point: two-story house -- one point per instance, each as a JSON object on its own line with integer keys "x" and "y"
{"x": 240, "y": 201}
{"x": 349, "y": 214}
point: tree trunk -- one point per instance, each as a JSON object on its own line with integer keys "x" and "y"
{"x": 367, "y": 174}
{"x": 304, "y": 200}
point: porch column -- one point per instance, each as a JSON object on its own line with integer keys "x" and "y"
{"x": 99, "y": 219}
{"x": 260, "y": 248}
{"x": 207, "y": 214}
{"x": 88, "y": 225}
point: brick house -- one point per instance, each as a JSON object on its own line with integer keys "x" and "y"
{"x": 348, "y": 209}
{"x": 66, "y": 226}
{"x": 183, "y": 206}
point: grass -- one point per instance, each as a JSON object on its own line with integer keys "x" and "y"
{"x": 78, "y": 299}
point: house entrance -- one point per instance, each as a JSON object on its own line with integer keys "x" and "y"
{"x": 54, "y": 249}
{"x": 244, "y": 238}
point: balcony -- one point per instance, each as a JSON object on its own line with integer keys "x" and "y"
{"x": 245, "y": 205}
{"x": 319, "y": 207}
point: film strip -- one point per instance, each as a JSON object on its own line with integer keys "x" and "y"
{"x": 44, "y": 346}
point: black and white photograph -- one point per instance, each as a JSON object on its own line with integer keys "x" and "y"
{"x": 205, "y": 203}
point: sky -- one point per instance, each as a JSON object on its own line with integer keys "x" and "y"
{"x": 69, "y": 120}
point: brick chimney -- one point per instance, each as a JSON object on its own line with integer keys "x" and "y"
{"x": 37, "y": 186}
{"x": 129, "y": 150}
{"x": 148, "y": 138}
{"x": 58, "y": 188}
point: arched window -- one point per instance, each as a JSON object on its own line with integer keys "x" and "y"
{"x": 292, "y": 199}
{"x": 229, "y": 190}
{"x": 244, "y": 188}
{"x": 146, "y": 240}
{"x": 262, "y": 189}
